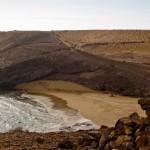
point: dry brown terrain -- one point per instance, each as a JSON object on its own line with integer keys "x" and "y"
{"x": 120, "y": 45}
{"x": 23, "y": 140}
{"x": 115, "y": 61}
{"x": 28, "y": 56}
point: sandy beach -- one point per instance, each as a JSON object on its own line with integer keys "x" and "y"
{"x": 101, "y": 108}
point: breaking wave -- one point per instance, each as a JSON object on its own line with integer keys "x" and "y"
{"x": 38, "y": 114}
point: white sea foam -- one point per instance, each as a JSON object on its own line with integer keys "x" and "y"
{"x": 37, "y": 114}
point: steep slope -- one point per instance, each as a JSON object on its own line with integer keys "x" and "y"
{"x": 17, "y": 47}
{"x": 122, "y": 45}
{"x": 28, "y": 56}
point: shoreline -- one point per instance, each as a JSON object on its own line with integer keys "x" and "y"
{"x": 107, "y": 109}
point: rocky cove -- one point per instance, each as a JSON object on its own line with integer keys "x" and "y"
{"x": 52, "y": 106}
{"x": 129, "y": 133}
{"x": 39, "y": 121}
{"x": 62, "y": 88}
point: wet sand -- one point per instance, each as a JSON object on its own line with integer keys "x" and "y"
{"x": 99, "y": 107}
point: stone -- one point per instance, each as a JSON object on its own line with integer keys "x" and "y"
{"x": 147, "y": 129}
{"x": 95, "y": 134}
{"x": 123, "y": 138}
{"x": 112, "y": 144}
{"x": 121, "y": 128}
{"x": 148, "y": 114}
{"x": 66, "y": 144}
{"x": 107, "y": 147}
{"x": 94, "y": 144}
{"x": 136, "y": 119}
{"x": 105, "y": 131}
{"x": 143, "y": 141}
{"x": 113, "y": 135}
{"x": 135, "y": 116}
{"x": 128, "y": 146}
{"x": 88, "y": 140}
{"x": 124, "y": 145}
{"x": 40, "y": 140}
{"x": 145, "y": 104}
{"x": 145, "y": 126}
{"x": 126, "y": 121}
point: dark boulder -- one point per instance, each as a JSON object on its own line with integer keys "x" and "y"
{"x": 66, "y": 145}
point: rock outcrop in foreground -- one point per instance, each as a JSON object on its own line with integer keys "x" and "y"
{"x": 129, "y": 133}
{"x": 145, "y": 104}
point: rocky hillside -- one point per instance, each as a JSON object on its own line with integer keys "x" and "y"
{"x": 28, "y": 56}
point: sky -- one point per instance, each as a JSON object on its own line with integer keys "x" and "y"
{"x": 74, "y": 14}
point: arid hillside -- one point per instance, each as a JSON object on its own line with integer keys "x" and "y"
{"x": 122, "y": 45}
{"x": 28, "y": 56}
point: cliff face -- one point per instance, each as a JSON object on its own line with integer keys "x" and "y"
{"x": 28, "y": 56}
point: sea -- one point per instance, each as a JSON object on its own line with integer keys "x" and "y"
{"x": 36, "y": 113}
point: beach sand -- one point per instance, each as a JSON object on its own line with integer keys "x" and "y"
{"x": 99, "y": 107}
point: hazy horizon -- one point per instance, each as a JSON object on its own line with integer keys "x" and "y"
{"x": 47, "y": 15}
